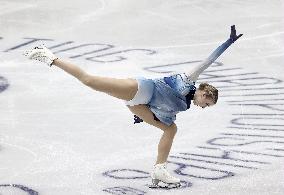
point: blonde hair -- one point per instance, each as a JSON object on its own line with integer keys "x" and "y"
{"x": 210, "y": 91}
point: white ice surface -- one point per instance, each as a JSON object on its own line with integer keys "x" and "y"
{"x": 58, "y": 137}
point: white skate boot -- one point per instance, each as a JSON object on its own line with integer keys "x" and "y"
{"x": 42, "y": 54}
{"x": 160, "y": 174}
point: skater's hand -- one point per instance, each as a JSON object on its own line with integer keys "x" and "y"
{"x": 233, "y": 35}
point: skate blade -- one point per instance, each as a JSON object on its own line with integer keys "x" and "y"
{"x": 164, "y": 186}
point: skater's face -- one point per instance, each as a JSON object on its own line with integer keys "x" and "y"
{"x": 200, "y": 99}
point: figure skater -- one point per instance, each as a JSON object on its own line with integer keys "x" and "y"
{"x": 154, "y": 101}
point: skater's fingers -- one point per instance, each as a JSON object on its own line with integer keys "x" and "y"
{"x": 233, "y": 29}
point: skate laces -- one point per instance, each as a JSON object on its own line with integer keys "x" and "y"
{"x": 165, "y": 172}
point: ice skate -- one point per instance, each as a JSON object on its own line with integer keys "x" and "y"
{"x": 161, "y": 178}
{"x": 42, "y": 54}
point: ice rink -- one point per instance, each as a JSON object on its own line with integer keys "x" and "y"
{"x": 59, "y": 137}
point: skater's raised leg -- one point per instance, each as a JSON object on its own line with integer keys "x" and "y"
{"x": 124, "y": 89}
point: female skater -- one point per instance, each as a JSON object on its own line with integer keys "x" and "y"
{"x": 155, "y": 101}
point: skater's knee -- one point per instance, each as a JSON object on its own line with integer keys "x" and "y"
{"x": 172, "y": 129}
{"x": 86, "y": 79}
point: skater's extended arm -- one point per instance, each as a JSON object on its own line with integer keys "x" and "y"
{"x": 194, "y": 74}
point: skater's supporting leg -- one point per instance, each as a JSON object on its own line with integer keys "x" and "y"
{"x": 165, "y": 145}
{"x": 124, "y": 89}
{"x": 168, "y": 135}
